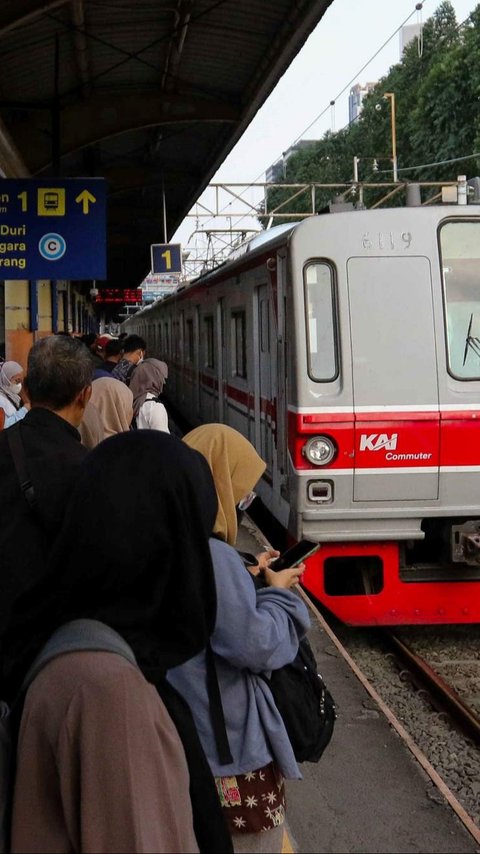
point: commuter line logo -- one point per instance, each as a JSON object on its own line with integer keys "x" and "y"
{"x": 377, "y": 441}
{"x": 52, "y": 246}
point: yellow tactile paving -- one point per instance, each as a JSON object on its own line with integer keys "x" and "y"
{"x": 287, "y": 847}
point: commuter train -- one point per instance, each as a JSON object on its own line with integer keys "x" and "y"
{"x": 346, "y": 347}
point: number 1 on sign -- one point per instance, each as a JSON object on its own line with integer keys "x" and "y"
{"x": 23, "y": 199}
{"x": 168, "y": 259}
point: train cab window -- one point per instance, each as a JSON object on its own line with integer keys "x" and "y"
{"x": 320, "y": 321}
{"x": 209, "y": 342}
{"x": 460, "y": 260}
{"x": 239, "y": 344}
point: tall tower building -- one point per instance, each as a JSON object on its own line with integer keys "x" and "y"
{"x": 407, "y": 34}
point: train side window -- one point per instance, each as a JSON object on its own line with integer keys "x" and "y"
{"x": 264, "y": 326}
{"x": 209, "y": 342}
{"x": 176, "y": 339}
{"x": 159, "y": 346}
{"x": 239, "y": 344}
{"x": 167, "y": 340}
{"x": 460, "y": 263}
{"x": 189, "y": 340}
{"x": 320, "y": 321}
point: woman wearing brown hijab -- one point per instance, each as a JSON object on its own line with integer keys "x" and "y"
{"x": 114, "y": 402}
{"x": 146, "y": 385}
{"x": 256, "y": 631}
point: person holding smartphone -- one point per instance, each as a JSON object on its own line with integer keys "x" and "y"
{"x": 256, "y": 631}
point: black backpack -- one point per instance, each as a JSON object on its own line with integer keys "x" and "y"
{"x": 300, "y": 694}
{"x": 305, "y": 704}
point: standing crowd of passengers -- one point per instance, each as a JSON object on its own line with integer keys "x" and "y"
{"x": 117, "y": 528}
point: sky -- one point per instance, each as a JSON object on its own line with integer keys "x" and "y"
{"x": 346, "y": 38}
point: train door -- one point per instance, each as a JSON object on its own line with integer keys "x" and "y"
{"x": 197, "y": 363}
{"x": 220, "y": 360}
{"x": 265, "y": 377}
{"x": 395, "y": 382}
{"x": 279, "y": 332}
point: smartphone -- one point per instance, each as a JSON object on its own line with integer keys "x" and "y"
{"x": 294, "y": 555}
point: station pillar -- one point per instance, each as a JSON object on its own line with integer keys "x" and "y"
{"x": 19, "y": 337}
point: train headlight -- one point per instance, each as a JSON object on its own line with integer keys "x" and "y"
{"x": 320, "y": 450}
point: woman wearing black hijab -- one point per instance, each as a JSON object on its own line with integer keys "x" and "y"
{"x": 105, "y": 762}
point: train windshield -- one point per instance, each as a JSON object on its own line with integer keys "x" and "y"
{"x": 460, "y": 258}
{"x": 320, "y": 319}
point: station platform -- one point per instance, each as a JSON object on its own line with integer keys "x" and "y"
{"x": 368, "y": 793}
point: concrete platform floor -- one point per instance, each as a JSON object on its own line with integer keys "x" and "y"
{"x": 368, "y": 793}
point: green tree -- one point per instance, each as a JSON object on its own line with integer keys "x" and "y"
{"x": 437, "y": 95}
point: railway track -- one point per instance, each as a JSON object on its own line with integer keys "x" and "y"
{"x": 451, "y": 695}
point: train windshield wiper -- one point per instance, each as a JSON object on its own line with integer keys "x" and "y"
{"x": 471, "y": 341}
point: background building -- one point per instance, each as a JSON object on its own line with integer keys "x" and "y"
{"x": 355, "y": 98}
{"x": 407, "y": 34}
{"x": 276, "y": 171}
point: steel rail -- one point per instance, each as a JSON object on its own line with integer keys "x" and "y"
{"x": 440, "y": 690}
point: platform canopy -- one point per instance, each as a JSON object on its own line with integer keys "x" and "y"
{"x": 150, "y": 94}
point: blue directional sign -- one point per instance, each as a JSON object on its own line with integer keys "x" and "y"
{"x": 166, "y": 257}
{"x": 52, "y": 228}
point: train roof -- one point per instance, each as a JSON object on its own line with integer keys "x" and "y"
{"x": 259, "y": 240}
{"x": 262, "y": 241}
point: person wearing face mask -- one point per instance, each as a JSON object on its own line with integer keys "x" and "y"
{"x": 11, "y": 376}
{"x": 134, "y": 348}
{"x": 256, "y": 631}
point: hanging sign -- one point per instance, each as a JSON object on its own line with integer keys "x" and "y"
{"x": 166, "y": 257}
{"x": 52, "y": 228}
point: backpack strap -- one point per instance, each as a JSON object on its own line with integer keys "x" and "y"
{"x": 217, "y": 716}
{"x": 86, "y": 634}
{"x": 76, "y": 636}
{"x": 17, "y": 450}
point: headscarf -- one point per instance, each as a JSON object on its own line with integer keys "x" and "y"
{"x": 114, "y": 401}
{"x": 91, "y": 427}
{"x": 147, "y": 573}
{"x": 236, "y": 467}
{"x": 7, "y": 371}
{"x": 148, "y": 378}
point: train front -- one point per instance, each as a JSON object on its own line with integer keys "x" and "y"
{"x": 383, "y": 320}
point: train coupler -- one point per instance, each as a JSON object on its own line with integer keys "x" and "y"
{"x": 466, "y": 543}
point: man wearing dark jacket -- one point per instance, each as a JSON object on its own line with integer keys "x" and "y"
{"x": 58, "y": 383}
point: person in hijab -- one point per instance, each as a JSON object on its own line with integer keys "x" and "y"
{"x": 91, "y": 427}
{"x": 108, "y": 753}
{"x": 114, "y": 402}
{"x": 147, "y": 385}
{"x": 11, "y": 376}
{"x": 256, "y": 631}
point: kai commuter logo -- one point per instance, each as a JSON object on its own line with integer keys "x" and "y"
{"x": 377, "y": 441}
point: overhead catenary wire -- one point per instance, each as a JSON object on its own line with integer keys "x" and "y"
{"x": 332, "y": 100}
{"x": 404, "y": 168}
{"x": 436, "y": 163}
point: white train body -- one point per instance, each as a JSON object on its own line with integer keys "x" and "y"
{"x": 354, "y": 336}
